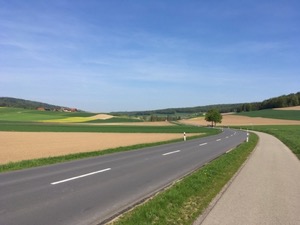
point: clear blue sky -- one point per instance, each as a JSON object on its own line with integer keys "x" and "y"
{"x": 116, "y": 55}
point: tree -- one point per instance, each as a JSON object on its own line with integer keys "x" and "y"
{"x": 213, "y": 116}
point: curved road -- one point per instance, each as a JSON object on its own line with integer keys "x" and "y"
{"x": 90, "y": 191}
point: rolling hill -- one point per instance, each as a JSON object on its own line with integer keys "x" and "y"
{"x": 292, "y": 99}
{"x": 28, "y": 104}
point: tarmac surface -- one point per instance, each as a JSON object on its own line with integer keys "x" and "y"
{"x": 96, "y": 189}
{"x": 265, "y": 191}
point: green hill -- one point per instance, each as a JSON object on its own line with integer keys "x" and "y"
{"x": 25, "y": 104}
{"x": 292, "y": 99}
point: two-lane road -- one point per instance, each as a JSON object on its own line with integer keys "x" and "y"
{"x": 90, "y": 191}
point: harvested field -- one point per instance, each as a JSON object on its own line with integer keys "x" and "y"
{"x": 17, "y": 146}
{"x": 101, "y": 117}
{"x": 237, "y": 120}
{"x": 289, "y": 108}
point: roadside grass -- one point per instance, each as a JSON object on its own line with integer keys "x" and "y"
{"x": 288, "y": 134}
{"x": 45, "y": 127}
{"x": 273, "y": 114}
{"x": 185, "y": 200}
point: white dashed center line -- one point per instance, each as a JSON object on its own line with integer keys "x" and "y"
{"x": 169, "y": 153}
{"x": 81, "y": 176}
{"x": 218, "y": 140}
{"x": 203, "y": 144}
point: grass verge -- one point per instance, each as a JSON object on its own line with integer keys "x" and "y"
{"x": 56, "y": 127}
{"x": 186, "y": 200}
{"x": 288, "y": 134}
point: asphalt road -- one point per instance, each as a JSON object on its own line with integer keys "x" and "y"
{"x": 90, "y": 191}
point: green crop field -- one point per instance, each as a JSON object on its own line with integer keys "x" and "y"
{"x": 288, "y": 134}
{"x": 274, "y": 114}
{"x": 45, "y": 127}
{"x": 27, "y": 115}
{"x": 16, "y": 114}
{"x": 13, "y": 119}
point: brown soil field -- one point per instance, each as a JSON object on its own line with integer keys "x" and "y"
{"x": 101, "y": 117}
{"x": 236, "y": 120}
{"x": 17, "y": 146}
{"x": 289, "y": 108}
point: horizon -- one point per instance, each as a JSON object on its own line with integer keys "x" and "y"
{"x": 146, "y": 110}
{"x": 66, "y": 106}
{"x": 108, "y": 56}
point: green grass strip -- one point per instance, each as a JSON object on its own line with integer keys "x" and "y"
{"x": 288, "y": 134}
{"x": 274, "y": 114}
{"x": 45, "y": 127}
{"x": 184, "y": 202}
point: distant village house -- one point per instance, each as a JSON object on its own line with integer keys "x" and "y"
{"x": 57, "y": 109}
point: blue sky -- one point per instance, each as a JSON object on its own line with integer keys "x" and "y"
{"x": 115, "y": 55}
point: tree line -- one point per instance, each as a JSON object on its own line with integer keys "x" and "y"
{"x": 155, "y": 118}
{"x": 292, "y": 99}
{"x": 223, "y": 108}
{"x": 282, "y": 101}
{"x": 24, "y": 104}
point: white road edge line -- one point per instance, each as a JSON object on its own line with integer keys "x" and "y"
{"x": 169, "y": 153}
{"x": 84, "y": 175}
{"x": 203, "y": 144}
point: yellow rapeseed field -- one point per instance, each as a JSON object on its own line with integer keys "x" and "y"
{"x": 70, "y": 120}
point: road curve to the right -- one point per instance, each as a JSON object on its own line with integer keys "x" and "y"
{"x": 266, "y": 191}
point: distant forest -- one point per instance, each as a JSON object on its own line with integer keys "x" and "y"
{"x": 188, "y": 110}
{"x": 277, "y": 102}
{"x": 25, "y": 104}
{"x": 174, "y": 113}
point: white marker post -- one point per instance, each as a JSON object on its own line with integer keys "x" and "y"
{"x": 247, "y": 136}
{"x": 184, "y": 136}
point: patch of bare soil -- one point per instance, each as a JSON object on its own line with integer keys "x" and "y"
{"x": 237, "y": 120}
{"x": 289, "y": 108}
{"x": 17, "y": 146}
{"x": 101, "y": 117}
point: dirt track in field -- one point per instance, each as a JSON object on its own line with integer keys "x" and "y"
{"x": 17, "y": 146}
